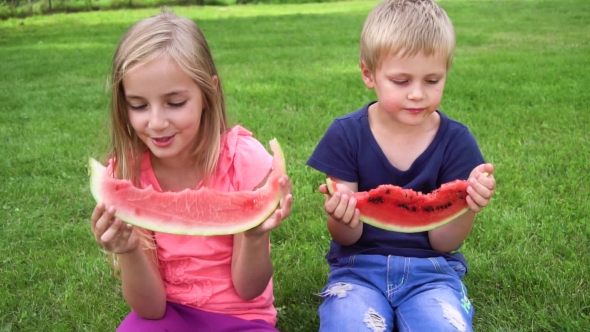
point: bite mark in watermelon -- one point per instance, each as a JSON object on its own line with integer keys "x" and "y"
{"x": 393, "y": 208}
{"x": 190, "y": 212}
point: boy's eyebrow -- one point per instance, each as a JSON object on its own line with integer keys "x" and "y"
{"x": 171, "y": 93}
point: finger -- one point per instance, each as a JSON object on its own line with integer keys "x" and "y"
{"x": 332, "y": 202}
{"x": 477, "y": 197}
{"x": 341, "y": 208}
{"x": 476, "y": 187}
{"x": 110, "y": 233}
{"x": 125, "y": 232}
{"x": 350, "y": 209}
{"x": 355, "y": 219}
{"x": 487, "y": 181}
{"x": 324, "y": 189}
{"x": 98, "y": 211}
{"x": 484, "y": 168}
{"x": 104, "y": 222}
{"x": 271, "y": 223}
{"x": 488, "y": 168}
{"x": 472, "y": 205}
{"x": 286, "y": 206}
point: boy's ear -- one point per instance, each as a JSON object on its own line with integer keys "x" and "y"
{"x": 367, "y": 76}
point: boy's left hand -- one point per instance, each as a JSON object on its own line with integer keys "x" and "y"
{"x": 482, "y": 187}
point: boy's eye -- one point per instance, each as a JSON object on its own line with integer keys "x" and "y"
{"x": 399, "y": 82}
{"x": 177, "y": 104}
{"x": 432, "y": 81}
{"x": 137, "y": 108}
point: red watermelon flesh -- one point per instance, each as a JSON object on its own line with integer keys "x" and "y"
{"x": 190, "y": 212}
{"x": 393, "y": 208}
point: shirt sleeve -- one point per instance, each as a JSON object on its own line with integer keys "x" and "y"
{"x": 336, "y": 154}
{"x": 251, "y": 164}
{"x": 461, "y": 157}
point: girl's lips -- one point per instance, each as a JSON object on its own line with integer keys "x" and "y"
{"x": 163, "y": 141}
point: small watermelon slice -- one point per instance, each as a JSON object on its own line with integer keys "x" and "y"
{"x": 393, "y": 208}
{"x": 190, "y": 212}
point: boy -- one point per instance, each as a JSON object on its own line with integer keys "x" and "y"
{"x": 381, "y": 280}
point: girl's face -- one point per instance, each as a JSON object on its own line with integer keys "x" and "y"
{"x": 164, "y": 106}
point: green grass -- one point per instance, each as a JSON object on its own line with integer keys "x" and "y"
{"x": 519, "y": 81}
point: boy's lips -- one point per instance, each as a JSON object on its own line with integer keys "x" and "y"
{"x": 415, "y": 110}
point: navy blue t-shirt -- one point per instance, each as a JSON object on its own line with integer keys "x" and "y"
{"x": 349, "y": 151}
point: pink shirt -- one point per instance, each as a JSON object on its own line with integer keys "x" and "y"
{"x": 197, "y": 269}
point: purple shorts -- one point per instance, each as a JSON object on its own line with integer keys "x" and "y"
{"x": 180, "y": 318}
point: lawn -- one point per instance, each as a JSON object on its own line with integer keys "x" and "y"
{"x": 520, "y": 81}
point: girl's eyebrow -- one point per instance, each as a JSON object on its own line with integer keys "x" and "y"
{"x": 171, "y": 93}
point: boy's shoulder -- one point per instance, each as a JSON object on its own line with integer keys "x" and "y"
{"x": 355, "y": 115}
{"x": 451, "y": 125}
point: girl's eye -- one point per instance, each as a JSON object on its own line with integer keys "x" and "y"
{"x": 137, "y": 108}
{"x": 177, "y": 104}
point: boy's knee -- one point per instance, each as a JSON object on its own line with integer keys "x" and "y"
{"x": 453, "y": 315}
{"x": 338, "y": 289}
{"x": 375, "y": 321}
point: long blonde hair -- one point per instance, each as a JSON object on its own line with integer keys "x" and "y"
{"x": 180, "y": 39}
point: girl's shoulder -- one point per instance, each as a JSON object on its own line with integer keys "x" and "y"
{"x": 243, "y": 158}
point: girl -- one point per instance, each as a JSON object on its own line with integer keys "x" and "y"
{"x": 169, "y": 131}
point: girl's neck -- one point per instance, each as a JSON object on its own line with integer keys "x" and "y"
{"x": 177, "y": 175}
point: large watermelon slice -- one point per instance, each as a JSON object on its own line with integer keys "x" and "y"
{"x": 393, "y": 208}
{"x": 190, "y": 212}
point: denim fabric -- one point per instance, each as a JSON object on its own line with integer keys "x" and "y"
{"x": 379, "y": 293}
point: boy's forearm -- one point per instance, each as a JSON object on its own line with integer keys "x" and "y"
{"x": 143, "y": 288}
{"x": 450, "y": 236}
{"x": 343, "y": 234}
{"x": 252, "y": 269}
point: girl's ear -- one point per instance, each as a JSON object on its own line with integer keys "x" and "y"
{"x": 367, "y": 76}
{"x": 215, "y": 81}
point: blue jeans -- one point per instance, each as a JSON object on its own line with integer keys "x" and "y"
{"x": 376, "y": 293}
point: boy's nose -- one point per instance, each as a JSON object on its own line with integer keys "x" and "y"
{"x": 416, "y": 92}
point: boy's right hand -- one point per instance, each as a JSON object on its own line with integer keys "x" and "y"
{"x": 341, "y": 206}
{"x": 112, "y": 233}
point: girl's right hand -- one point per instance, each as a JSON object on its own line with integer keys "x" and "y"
{"x": 112, "y": 233}
{"x": 341, "y": 206}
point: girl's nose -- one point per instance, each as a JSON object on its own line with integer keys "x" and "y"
{"x": 158, "y": 120}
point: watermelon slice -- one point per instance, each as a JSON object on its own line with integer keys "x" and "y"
{"x": 393, "y": 208}
{"x": 190, "y": 212}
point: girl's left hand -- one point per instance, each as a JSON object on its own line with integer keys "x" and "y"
{"x": 482, "y": 187}
{"x": 282, "y": 211}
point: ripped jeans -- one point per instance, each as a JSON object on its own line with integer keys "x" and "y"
{"x": 376, "y": 293}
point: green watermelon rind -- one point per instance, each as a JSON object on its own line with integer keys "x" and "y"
{"x": 208, "y": 228}
{"x": 331, "y": 185}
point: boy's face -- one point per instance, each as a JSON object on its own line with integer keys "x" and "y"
{"x": 408, "y": 88}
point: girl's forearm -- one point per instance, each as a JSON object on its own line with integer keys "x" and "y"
{"x": 143, "y": 288}
{"x": 252, "y": 267}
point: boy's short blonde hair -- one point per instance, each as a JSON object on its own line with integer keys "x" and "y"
{"x": 406, "y": 28}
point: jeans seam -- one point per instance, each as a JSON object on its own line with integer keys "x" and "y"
{"x": 406, "y": 326}
{"x": 405, "y": 276}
